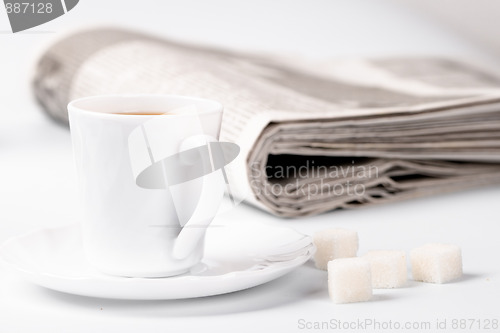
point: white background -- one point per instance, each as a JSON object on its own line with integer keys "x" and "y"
{"x": 38, "y": 188}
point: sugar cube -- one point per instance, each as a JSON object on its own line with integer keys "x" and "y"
{"x": 333, "y": 244}
{"x": 436, "y": 263}
{"x": 349, "y": 280}
{"x": 388, "y": 268}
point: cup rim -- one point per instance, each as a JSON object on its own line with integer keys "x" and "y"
{"x": 73, "y": 106}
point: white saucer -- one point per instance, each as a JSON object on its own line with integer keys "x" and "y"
{"x": 237, "y": 257}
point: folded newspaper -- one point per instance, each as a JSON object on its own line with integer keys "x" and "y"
{"x": 314, "y": 135}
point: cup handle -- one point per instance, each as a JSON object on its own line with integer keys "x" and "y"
{"x": 212, "y": 192}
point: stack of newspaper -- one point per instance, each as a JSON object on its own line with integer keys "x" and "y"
{"x": 314, "y": 135}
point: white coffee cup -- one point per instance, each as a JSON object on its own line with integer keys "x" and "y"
{"x": 137, "y": 223}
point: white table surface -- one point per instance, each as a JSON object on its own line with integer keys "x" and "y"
{"x": 38, "y": 188}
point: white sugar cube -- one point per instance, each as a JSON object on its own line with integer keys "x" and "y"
{"x": 388, "y": 268}
{"x": 436, "y": 263}
{"x": 333, "y": 244}
{"x": 349, "y": 280}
